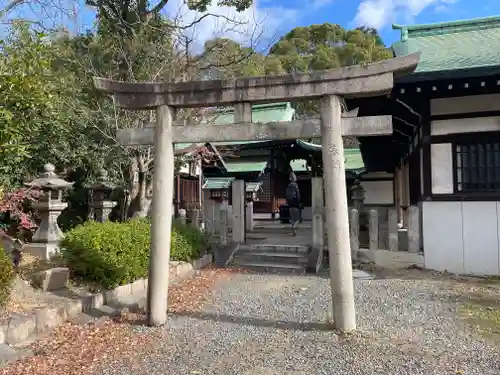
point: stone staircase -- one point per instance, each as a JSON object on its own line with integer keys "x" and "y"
{"x": 272, "y": 258}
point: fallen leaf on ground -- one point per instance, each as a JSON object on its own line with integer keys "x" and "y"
{"x": 77, "y": 349}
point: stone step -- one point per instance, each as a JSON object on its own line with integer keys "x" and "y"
{"x": 273, "y": 248}
{"x": 269, "y": 267}
{"x": 272, "y": 257}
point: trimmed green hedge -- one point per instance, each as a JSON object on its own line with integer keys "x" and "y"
{"x": 110, "y": 254}
{"x": 7, "y": 275}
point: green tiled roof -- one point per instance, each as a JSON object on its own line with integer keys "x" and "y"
{"x": 260, "y": 113}
{"x": 353, "y": 159}
{"x": 217, "y": 183}
{"x": 452, "y": 46}
{"x": 298, "y": 165}
{"x": 253, "y": 187}
{"x": 239, "y": 166}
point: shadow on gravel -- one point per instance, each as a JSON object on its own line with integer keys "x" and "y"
{"x": 286, "y": 325}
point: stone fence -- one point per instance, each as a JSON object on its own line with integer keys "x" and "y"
{"x": 384, "y": 233}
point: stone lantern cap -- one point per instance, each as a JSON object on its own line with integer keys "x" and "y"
{"x": 49, "y": 180}
{"x": 102, "y": 182}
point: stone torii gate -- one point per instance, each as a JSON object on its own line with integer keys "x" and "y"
{"x": 328, "y": 86}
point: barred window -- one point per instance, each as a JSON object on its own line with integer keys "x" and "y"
{"x": 264, "y": 195}
{"x": 477, "y": 166}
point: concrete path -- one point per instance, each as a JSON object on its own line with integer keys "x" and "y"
{"x": 274, "y": 325}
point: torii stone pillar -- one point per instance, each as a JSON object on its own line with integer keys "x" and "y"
{"x": 355, "y": 81}
{"x": 242, "y": 114}
{"x": 161, "y": 218}
{"x": 337, "y": 217}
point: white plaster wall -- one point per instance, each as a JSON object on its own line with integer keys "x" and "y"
{"x": 462, "y": 237}
{"x": 441, "y": 168}
{"x": 465, "y": 125}
{"x": 463, "y": 104}
{"x": 188, "y": 168}
{"x": 378, "y": 192}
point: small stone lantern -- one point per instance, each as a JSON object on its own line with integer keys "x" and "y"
{"x": 251, "y": 190}
{"x": 219, "y": 194}
{"x": 45, "y": 240}
{"x": 100, "y": 204}
{"x": 358, "y": 196}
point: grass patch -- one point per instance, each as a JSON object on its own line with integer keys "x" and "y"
{"x": 483, "y": 317}
{"x": 492, "y": 280}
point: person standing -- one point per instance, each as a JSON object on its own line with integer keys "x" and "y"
{"x": 293, "y": 202}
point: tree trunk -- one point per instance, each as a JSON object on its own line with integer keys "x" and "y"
{"x": 139, "y": 200}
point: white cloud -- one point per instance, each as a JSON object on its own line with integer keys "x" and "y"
{"x": 255, "y": 25}
{"x": 380, "y": 13}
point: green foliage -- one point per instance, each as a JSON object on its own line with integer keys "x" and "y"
{"x": 224, "y": 58}
{"x": 111, "y": 254}
{"x": 7, "y": 275}
{"x": 197, "y": 243}
{"x": 327, "y": 46}
{"x": 39, "y": 115}
{"x": 107, "y": 254}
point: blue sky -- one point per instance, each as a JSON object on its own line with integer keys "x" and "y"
{"x": 269, "y": 19}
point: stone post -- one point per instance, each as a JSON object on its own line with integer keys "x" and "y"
{"x": 413, "y": 229}
{"x": 239, "y": 211}
{"x": 217, "y": 207}
{"x": 195, "y": 218}
{"x": 209, "y": 217}
{"x": 373, "y": 230}
{"x": 161, "y": 218}
{"x": 100, "y": 204}
{"x": 318, "y": 231}
{"x": 223, "y": 224}
{"x": 45, "y": 240}
{"x": 393, "y": 229}
{"x": 249, "y": 222}
{"x": 354, "y": 232}
{"x": 337, "y": 220}
{"x": 182, "y": 215}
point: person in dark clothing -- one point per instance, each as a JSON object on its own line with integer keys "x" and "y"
{"x": 293, "y": 202}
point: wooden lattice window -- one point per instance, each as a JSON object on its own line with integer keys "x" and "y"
{"x": 264, "y": 195}
{"x": 477, "y": 166}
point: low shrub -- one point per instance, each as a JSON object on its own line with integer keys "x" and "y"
{"x": 198, "y": 242}
{"x": 110, "y": 254}
{"x": 7, "y": 275}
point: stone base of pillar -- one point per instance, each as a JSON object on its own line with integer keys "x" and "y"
{"x": 44, "y": 251}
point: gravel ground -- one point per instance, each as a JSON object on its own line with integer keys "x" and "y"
{"x": 269, "y": 324}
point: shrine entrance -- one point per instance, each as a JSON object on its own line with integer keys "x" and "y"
{"x": 330, "y": 87}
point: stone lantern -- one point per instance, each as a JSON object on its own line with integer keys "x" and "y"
{"x": 44, "y": 243}
{"x": 218, "y": 188}
{"x": 100, "y": 204}
{"x": 358, "y": 199}
{"x": 251, "y": 190}
{"x": 358, "y": 196}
